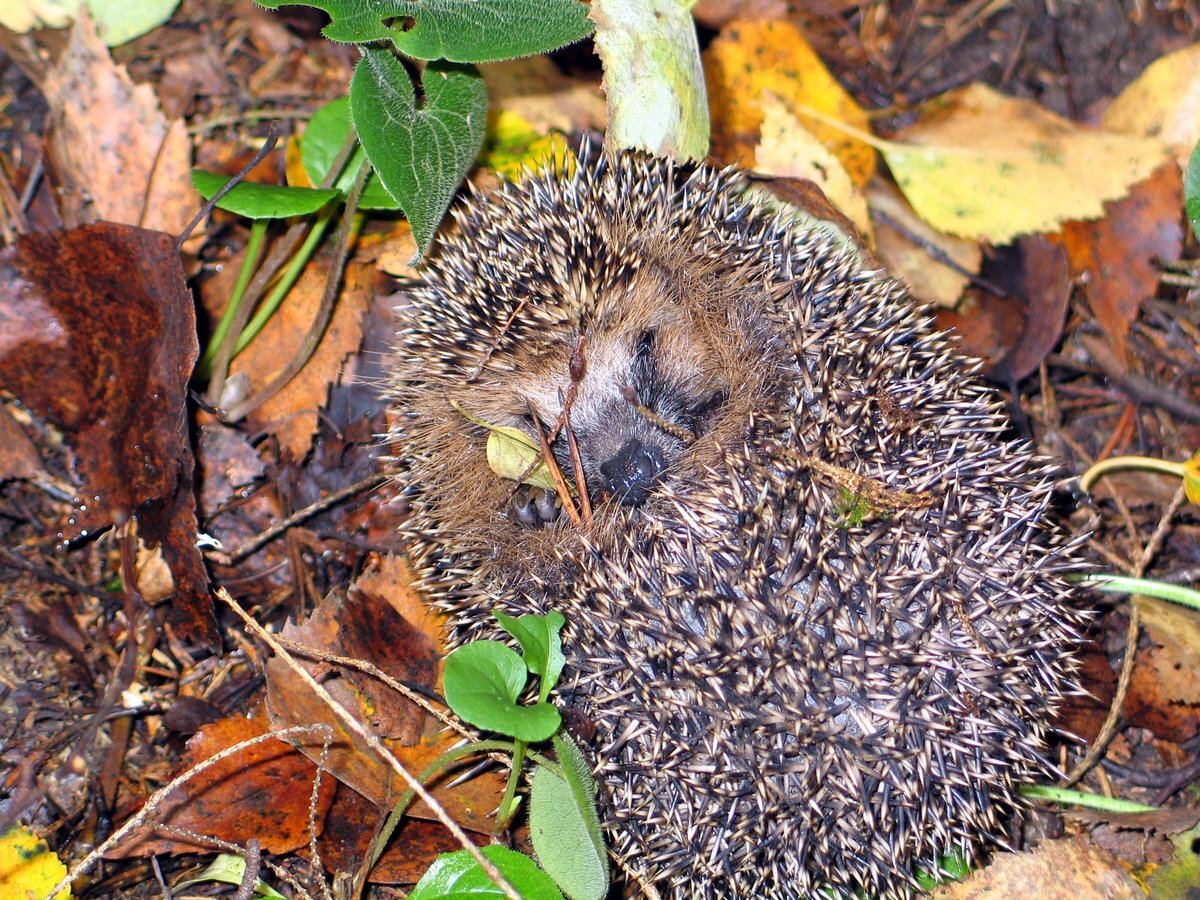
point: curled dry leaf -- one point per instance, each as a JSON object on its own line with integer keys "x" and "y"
{"x": 101, "y": 340}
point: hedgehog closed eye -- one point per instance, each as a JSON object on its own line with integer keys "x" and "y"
{"x": 782, "y": 640}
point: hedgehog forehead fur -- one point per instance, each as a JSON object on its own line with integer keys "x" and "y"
{"x": 785, "y": 698}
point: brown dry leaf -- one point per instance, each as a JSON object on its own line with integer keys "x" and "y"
{"x": 750, "y": 59}
{"x": 1164, "y": 693}
{"x": 1071, "y": 869}
{"x": 263, "y": 791}
{"x": 101, "y": 340}
{"x": 19, "y": 458}
{"x": 789, "y": 150}
{"x": 1163, "y": 102}
{"x": 291, "y": 703}
{"x": 1136, "y": 838}
{"x": 113, "y": 149}
{"x": 392, "y": 579}
{"x": 1082, "y": 716}
{"x": 1016, "y": 329}
{"x": 414, "y": 845}
{"x": 1118, "y": 252}
{"x": 291, "y": 415}
{"x": 982, "y": 165}
{"x": 400, "y": 650}
{"x": 929, "y": 278}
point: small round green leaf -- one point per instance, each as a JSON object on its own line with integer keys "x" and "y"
{"x": 261, "y": 201}
{"x": 457, "y": 875}
{"x": 540, "y": 643}
{"x": 482, "y": 682}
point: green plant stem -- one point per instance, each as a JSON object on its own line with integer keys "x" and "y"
{"x": 1123, "y": 584}
{"x": 287, "y": 279}
{"x": 1079, "y": 798}
{"x": 508, "y": 804}
{"x": 1088, "y": 478}
{"x": 384, "y": 834}
{"x": 276, "y": 260}
{"x": 254, "y": 247}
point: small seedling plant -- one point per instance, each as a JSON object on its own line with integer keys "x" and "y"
{"x": 414, "y": 121}
{"x": 487, "y": 684}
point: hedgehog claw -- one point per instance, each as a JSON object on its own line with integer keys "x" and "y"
{"x": 533, "y": 507}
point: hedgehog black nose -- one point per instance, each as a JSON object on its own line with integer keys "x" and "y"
{"x": 632, "y": 472}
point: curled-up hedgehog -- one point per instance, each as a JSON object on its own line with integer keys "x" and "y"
{"x": 814, "y": 620}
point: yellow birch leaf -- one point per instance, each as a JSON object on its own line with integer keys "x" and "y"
{"x": 753, "y": 58}
{"x": 1163, "y": 102}
{"x": 790, "y": 150}
{"x": 985, "y": 166}
{"x": 27, "y": 867}
{"x": 511, "y": 453}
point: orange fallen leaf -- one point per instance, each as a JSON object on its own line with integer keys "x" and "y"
{"x": 750, "y": 59}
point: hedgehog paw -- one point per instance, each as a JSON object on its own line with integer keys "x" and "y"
{"x": 533, "y": 507}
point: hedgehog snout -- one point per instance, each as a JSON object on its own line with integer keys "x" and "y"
{"x": 633, "y": 471}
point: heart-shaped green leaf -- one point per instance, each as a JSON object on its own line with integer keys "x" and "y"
{"x": 482, "y": 682}
{"x": 421, "y": 154}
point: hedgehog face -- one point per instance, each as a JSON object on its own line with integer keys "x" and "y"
{"x": 638, "y": 385}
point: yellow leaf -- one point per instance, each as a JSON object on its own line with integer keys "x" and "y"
{"x": 515, "y": 147}
{"x": 903, "y": 242}
{"x": 982, "y": 165}
{"x": 1163, "y": 102}
{"x": 512, "y": 454}
{"x": 27, "y": 867}
{"x": 790, "y": 150}
{"x": 1191, "y": 479}
{"x": 751, "y": 59}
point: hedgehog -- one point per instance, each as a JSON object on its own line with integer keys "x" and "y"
{"x": 816, "y": 625}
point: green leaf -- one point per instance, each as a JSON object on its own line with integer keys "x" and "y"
{"x": 457, "y": 875}
{"x": 230, "y": 868}
{"x": 482, "y": 682}
{"x": 120, "y": 21}
{"x": 1191, "y": 189}
{"x": 319, "y": 146}
{"x": 472, "y": 31}
{"x": 564, "y": 825}
{"x": 421, "y": 155}
{"x": 464, "y": 31}
{"x": 540, "y": 643}
{"x": 261, "y": 201}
